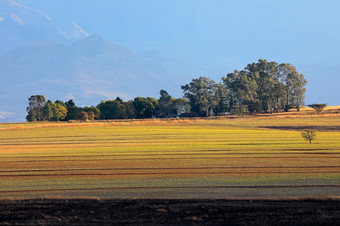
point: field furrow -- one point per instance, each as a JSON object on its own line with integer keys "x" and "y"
{"x": 215, "y": 158}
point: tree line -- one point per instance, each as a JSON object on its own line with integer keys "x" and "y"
{"x": 166, "y": 106}
{"x": 260, "y": 87}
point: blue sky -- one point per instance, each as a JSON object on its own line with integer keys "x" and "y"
{"x": 287, "y": 29}
{"x": 305, "y": 33}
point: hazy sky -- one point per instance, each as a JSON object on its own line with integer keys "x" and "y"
{"x": 305, "y": 33}
{"x": 287, "y": 29}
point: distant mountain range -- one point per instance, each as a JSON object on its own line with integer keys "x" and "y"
{"x": 39, "y": 57}
{"x": 89, "y": 70}
{"x": 21, "y": 25}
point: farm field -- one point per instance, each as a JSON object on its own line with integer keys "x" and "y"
{"x": 260, "y": 157}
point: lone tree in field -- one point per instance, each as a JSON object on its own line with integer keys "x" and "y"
{"x": 318, "y": 107}
{"x": 309, "y": 135}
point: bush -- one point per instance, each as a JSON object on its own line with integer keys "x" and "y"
{"x": 318, "y": 107}
{"x": 91, "y": 115}
{"x": 239, "y": 110}
{"x": 309, "y": 135}
{"x": 84, "y": 116}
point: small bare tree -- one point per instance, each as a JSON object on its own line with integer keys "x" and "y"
{"x": 309, "y": 135}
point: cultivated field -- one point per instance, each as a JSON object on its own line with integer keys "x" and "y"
{"x": 251, "y": 157}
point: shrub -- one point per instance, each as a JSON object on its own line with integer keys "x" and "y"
{"x": 239, "y": 110}
{"x": 309, "y": 135}
{"x": 83, "y": 116}
{"x": 91, "y": 115}
{"x": 318, "y": 107}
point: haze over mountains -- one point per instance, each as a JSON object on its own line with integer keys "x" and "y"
{"x": 62, "y": 61}
{"x": 21, "y": 25}
{"x": 89, "y": 70}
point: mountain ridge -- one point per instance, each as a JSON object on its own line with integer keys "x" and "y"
{"x": 88, "y": 71}
{"x": 17, "y": 19}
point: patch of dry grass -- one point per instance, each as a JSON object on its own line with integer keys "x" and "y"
{"x": 176, "y": 158}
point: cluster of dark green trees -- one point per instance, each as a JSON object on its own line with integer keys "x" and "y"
{"x": 166, "y": 106}
{"x": 261, "y": 87}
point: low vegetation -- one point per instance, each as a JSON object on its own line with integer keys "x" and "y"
{"x": 252, "y": 156}
{"x": 309, "y": 135}
{"x": 318, "y": 107}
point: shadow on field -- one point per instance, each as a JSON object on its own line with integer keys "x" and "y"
{"x": 317, "y": 128}
{"x": 169, "y": 212}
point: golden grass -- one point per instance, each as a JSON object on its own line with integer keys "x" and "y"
{"x": 177, "y": 158}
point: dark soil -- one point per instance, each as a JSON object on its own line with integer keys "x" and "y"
{"x": 301, "y": 128}
{"x": 169, "y": 212}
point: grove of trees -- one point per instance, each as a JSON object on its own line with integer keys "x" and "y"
{"x": 266, "y": 87}
{"x": 40, "y": 109}
{"x": 260, "y": 87}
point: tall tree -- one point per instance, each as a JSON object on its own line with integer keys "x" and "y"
{"x": 61, "y": 103}
{"x": 112, "y": 109}
{"x": 31, "y": 116}
{"x": 48, "y": 111}
{"x": 145, "y": 107}
{"x": 35, "y": 107}
{"x": 59, "y": 112}
{"x": 130, "y": 109}
{"x": 165, "y": 103}
{"x": 294, "y": 83}
{"x": 241, "y": 88}
{"x": 72, "y": 110}
{"x": 181, "y": 105}
{"x": 203, "y": 95}
{"x": 54, "y": 111}
{"x": 223, "y": 99}
{"x": 266, "y": 76}
{"x": 266, "y": 86}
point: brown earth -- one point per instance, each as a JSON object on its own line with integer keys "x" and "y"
{"x": 169, "y": 212}
{"x": 316, "y": 128}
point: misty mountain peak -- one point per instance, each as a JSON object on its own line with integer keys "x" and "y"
{"x": 21, "y": 25}
{"x": 90, "y": 70}
{"x": 77, "y": 31}
{"x": 97, "y": 45}
{"x": 21, "y": 14}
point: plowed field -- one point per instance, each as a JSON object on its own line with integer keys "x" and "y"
{"x": 255, "y": 157}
